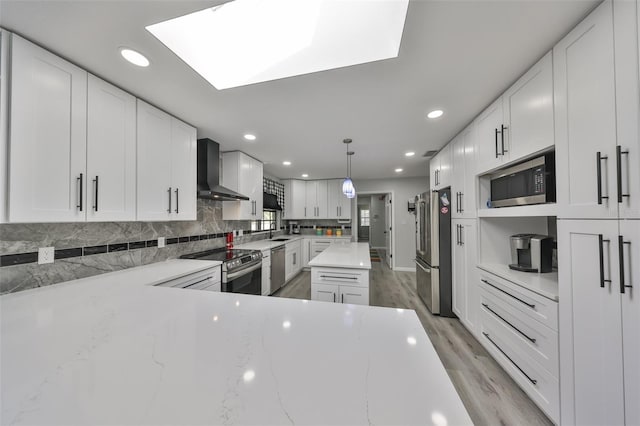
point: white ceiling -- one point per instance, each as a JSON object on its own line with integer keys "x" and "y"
{"x": 455, "y": 55}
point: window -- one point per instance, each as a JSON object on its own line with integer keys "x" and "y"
{"x": 364, "y": 217}
{"x": 269, "y": 221}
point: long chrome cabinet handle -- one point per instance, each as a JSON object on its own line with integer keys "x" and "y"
{"x": 599, "y": 158}
{"x": 621, "y": 244}
{"x": 531, "y": 339}
{"x": 333, "y": 276}
{"x": 619, "y": 154}
{"x": 169, "y": 191}
{"x": 601, "y": 242}
{"x": 461, "y": 202}
{"x": 177, "y": 202}
{"x": 80, "y": 180}
{"x": 533, "y": 381}
{"x": 532, "y": 306}
{"x": 502, "y": 129}
{"x": 496, "y": 129}
{"x": 95, "y": 183}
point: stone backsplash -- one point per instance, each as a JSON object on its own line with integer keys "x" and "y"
{"x": 307, "y": 226}
{"x": 132, "y": 242}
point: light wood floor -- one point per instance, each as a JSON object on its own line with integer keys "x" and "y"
{"x": 489, "y": 394}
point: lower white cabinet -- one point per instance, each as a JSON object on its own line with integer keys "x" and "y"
{"x": 599, "y": 321}
{"x": 266, "y": 272}
{"x": 293, "y": 259}
{"x": 209, "y": 280}
{"x": 306, "y": 250}
{"x": 464, "y": 280}
{"x": 340, "y": 285}
{"x": 519, "y": 329}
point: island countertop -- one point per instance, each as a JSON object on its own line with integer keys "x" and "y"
{"x": 114, "y": 350}
{"x": 351, "y": 255}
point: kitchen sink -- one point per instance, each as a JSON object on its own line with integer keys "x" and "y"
{"x": 280, "y": 239}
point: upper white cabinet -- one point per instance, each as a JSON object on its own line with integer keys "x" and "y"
{"x": 440, "y": 169}
{"x": 4, "y": 118}
{"x": 166, "y": 166}
{"x": 294, "y": 199}
{"x": 316, "y": 199}
{"x": 111, "y": 153}
{"x": 242, "y": 174}
{"x": 47, "y": 147}
{"x": 339, "y": 206}
{"x": 520, "y": 122}
{"x": 463, "y": 159}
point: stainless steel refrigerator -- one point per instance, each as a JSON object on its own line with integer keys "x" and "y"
{"x": 433, "y": 251}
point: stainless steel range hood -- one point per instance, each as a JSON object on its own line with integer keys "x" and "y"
{"x": 209, "y": 174}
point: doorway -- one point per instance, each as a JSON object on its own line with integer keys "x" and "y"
{"x": 374, "y": 223}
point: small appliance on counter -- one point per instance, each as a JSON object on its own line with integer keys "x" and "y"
{"x": 531, "y": 253}
{"x": 294, "y": 228}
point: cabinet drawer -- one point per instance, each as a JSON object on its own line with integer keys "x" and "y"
{"x": 537, "y": 382}
{"x": 339, "y": 276}
{"x": 535, "y": 306}
{"x": 532, "y": 338}
{"x": 197, "y": 281}
{"x": 292, "y": 246}
{"x": 325, "y": 292}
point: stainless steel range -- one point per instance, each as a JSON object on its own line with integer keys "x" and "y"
{"x": 241, "y": 269}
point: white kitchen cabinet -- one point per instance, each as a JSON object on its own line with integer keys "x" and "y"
{"x": 339, "y": 206}
{"x": 489, "y": 141}
{"x": 47, "y": 146}
{"x": 306, "y": 251}
{"x": 591, "y": 355}
{"x": 463, "y": 179}
{"x": 585, "y": 117}
{"x": 166, "y": 166}
{"x": 294, "y": 199}
{"x": 316, "y": 199}
{"x": 440, "y": 169}
{"x": 528, "y": 112}
{"x": 340, "y": 285}
{"x": 111, "y": 153}
{"x": 266, "y": 272}
{"x": 325, "y": 292}
{"x": 354, "y": 295}
{"x": 293, "y": 259}
{"x": 465, "y": 273}
{"x": 5, "y": 37}
{"x": 243, "y": 174}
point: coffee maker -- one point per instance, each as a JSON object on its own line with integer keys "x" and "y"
{"x": 294, "y": 228}
{"x": 531, "y": 253}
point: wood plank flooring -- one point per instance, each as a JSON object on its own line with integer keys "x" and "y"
{"x": 489, "y": 394}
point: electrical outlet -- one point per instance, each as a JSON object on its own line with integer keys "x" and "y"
{"x": 241, "y": 233}
{"x": 45, "y": 255}
{"x": 161, "y": 242}
{"x": 235, "y": 233}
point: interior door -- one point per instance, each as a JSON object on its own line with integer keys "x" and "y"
{"x": 388, "y": 229}
{"x": 590, "y": 322}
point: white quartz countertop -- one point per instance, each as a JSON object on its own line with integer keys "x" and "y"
{"x": 352, "y": 255}
{"x": 112, "y": 350}
{"x": 269, "y": 244}
{"x": 545, "y": 284}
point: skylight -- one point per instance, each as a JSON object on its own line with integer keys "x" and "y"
{"x": 251, "y": 41}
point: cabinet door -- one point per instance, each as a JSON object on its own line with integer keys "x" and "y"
{"x": 47, "y": 146}
{"x": 528, "y": 109}
{"x": 311, "y": 197}
{"x": 585, "y": 118}
{"x": 434, "y": 170}
{"x": 590, "y": 323}
{"x": 324, "y": 292}
{"x": 354, "y": 295}
{"x": 630, "y": 231}
{"x": 111, "y": 153}
{"x": 465, "y": 296}
{"x": 334, "y": 195}
{"x": 183, "y": 170}
{"x": 459, "y": 267}
{"x": 489, "y": 140}
{"x": 457, "y": 175}
{"x": 626, "y": 27}
{"x": 321, "y": 199}
{"x": 155, "y": 191}
{"x": 468, "y": 200}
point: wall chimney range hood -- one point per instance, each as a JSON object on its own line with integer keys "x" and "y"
{"x": 209, "y": 174}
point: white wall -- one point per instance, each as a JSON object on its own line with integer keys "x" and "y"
{"x": 404, "y": 225}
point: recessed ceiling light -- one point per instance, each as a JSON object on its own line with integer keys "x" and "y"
{"x": 286, "y": 163}
{"x": 398, "y": 170}
{"x": 409, "y": 154}
{"x": 304, "y": 175}
{"x": 435, "y": 113}
{"x": 250, "y": 137}
{"x": 136, "y": 58}
{"x": 244, "y": 42}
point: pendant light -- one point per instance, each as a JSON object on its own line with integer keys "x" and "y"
{"x": 348, "y": 188}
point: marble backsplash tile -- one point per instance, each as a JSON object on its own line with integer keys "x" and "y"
{"x": 21, "y": 238}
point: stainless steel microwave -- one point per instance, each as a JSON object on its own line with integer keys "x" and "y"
{"x": 531, "y": 182}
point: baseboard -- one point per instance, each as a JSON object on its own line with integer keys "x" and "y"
{"x": 378, "y": 248}
{"x": 404, "y": 269}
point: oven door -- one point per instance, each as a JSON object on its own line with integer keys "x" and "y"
{"x": 245, "y": 281}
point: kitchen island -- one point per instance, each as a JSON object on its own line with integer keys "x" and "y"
{"x": 114, "y": 349}
{"x": 340, "y": 274}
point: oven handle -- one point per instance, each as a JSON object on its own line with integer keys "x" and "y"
{"x": 244, "y": 271}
